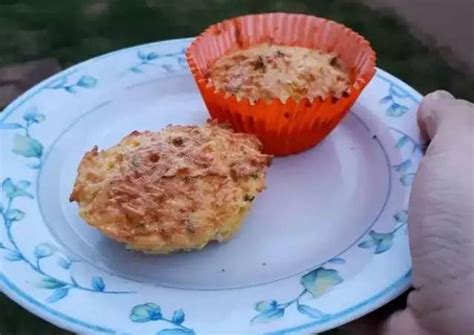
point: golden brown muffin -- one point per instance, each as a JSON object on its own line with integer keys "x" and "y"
{"x": 270, "y": 72}
{"x": 176, "y": 189}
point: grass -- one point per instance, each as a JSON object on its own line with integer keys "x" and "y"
{"x": 75, "y": 30}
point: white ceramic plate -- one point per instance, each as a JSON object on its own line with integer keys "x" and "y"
{"x": 323, "y": 245}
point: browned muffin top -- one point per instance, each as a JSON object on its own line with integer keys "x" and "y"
{"x": 270, "y": 72}
{"x": 173, "y": 189}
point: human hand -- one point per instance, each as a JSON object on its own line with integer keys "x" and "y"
{"x": 441, "y": 224}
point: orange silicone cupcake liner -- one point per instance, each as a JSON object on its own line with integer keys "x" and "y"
{"x": 293, "y": 126}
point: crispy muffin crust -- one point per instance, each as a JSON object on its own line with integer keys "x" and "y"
{"x": 176, "y": 189}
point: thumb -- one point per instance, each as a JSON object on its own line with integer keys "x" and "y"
{"x": 440, "y": 113}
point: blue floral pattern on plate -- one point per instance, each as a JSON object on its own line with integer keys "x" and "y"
{"x": 23, "y": 143}
{"x": 315, "y": 283}
{"x": 395, "y": 95}
{"x": 381, "y": 242}
{"x": 152, "y": 312}
{"x": 149, "y": 58}
{"x": 61, "y": 83}
{"x": 406, "y": 166}
{"x": 11, "y": 252}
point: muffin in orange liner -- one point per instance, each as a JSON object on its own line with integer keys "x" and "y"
{"x": 291, "y": 126}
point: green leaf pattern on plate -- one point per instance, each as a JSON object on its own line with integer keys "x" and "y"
{"x": 150, "y": 311}
{"x": 315, "y": 284}
{"x": 11, "y": 216}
